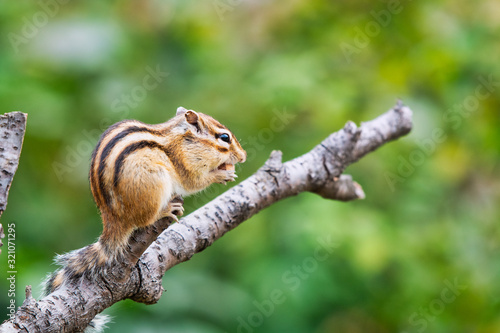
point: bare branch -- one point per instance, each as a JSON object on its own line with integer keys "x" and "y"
{"x": 317, "y": 171}
{"x": 12, "y": 128}
{"x": 71, "y": 307}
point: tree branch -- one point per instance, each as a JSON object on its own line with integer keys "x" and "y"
{"x": 71, "y": 307}
{"x": 12, "y": 128}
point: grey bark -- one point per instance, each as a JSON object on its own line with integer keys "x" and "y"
{"x": 154, "y": 250}
{"x": 12, "y": 129}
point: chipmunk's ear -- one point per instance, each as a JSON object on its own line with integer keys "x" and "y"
{"x": 192, "y": 118}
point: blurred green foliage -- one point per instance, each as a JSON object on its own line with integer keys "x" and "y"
{"x": 419, "y": 254}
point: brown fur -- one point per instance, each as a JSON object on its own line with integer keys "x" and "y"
{"x": 137, "y": 169}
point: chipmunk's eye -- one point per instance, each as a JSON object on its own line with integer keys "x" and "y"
{"x": 224, "y": 137}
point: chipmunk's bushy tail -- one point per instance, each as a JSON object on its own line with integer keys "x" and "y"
{"x": 88, "y": 261}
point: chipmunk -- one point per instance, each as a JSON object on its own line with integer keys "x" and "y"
{"x": 137, "y": 169}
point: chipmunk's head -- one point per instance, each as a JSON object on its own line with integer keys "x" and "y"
{"x": 209, "y": 144}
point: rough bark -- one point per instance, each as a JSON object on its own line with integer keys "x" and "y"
{"x": 139, "y": 275}
{"x": 12, "y": 128}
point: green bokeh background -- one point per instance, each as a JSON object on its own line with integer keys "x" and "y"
{"x": 430, "y": 215}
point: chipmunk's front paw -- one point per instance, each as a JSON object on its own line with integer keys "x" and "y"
{"x": 225, "y": 176}
{"x": 231, "y": 176}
